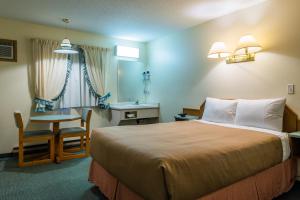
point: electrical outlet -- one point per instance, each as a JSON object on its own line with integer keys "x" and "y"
{"x": 291, "y": 89}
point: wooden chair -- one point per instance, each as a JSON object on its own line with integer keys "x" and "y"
{"x": 30, "y": 137}
{"x": 82, "y": 132}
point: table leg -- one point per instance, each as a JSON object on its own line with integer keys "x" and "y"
{"x": 55, "y": 131}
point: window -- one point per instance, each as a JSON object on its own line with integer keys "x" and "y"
{"x": 61, "y": 83}
{"x": 77, "y": 92}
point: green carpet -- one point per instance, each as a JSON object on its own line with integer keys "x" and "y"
{"x": 68, "y": 180}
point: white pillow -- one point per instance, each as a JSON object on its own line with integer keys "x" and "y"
{"x": 219, "y": 110}
{"x": 264, "y": 113}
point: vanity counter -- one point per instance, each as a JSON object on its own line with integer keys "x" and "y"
{"x": 126, "y": 106}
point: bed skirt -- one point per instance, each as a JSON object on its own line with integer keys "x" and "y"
{"x": 267, "y": 184}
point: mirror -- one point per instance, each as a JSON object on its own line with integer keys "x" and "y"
{"x": 130, "y": 81}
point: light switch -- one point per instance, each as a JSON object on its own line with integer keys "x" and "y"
{"x": 291, "y": 89}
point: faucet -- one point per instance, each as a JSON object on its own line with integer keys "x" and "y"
{"x": 137, "y": 102}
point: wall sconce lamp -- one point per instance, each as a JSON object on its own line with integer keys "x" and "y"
{"x": 218, "y": 50}
{"x": 245, "y": 51}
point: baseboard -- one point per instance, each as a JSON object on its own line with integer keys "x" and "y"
{"x": 6, "y": 155}
{"x": 38, "y": 148}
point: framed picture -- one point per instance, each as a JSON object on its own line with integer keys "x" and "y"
{"x": 8, "y": 50}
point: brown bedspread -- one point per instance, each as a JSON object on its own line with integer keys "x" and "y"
{"x": 182, "y": 160}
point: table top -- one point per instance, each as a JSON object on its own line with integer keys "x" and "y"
{"x": 54, "y": 118}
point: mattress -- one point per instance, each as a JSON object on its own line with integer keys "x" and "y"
{"x": 183, "y": 160}
{"x": 284, "y": 137}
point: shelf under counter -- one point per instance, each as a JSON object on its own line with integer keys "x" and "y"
{"x": 127, "y": 112}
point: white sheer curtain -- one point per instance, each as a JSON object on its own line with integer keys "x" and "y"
{"x": 77, "y": 90}
{"x": 49, "y": 72}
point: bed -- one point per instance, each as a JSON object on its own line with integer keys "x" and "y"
{"x": 171, "y": 161}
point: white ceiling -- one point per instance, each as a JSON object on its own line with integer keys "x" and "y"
{"x": 139, "y": 20}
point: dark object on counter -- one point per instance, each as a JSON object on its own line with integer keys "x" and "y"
{"x": 184, "y": 117}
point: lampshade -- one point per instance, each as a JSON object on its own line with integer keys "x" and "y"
{"x": 218, "y": 50}
{"x": 66, "y": 47}
{"x": 247, "y": 44}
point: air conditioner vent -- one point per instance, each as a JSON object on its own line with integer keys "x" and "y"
{"x": 6, "y": 52}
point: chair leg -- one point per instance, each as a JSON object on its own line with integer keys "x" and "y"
{"x": 81, "y": 143}
{"x": 41, "y": 159}
{"x": 52, "y": 148}
{"x": 87, "y": 145}
{"x": 21, "y": 154}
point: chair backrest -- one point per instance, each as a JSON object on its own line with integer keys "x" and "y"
{"x": 86, "y": 115}
{"x": 18, "y": 119}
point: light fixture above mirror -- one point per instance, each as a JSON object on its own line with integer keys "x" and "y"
{"x": 127, "y": 52}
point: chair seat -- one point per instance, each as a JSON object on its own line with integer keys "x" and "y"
{"x": 37, "y": 133}
{"x": 71, "y": 130}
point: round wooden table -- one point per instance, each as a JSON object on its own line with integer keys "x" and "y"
{"x": 55, "y": 119}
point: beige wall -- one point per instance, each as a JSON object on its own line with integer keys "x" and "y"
{"x": 14, "y": 88}
{"x": 183, "y": 76}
